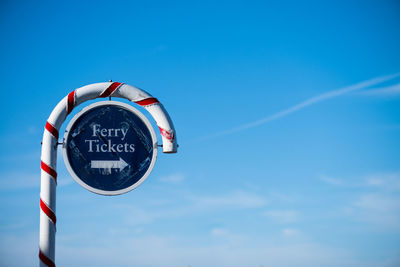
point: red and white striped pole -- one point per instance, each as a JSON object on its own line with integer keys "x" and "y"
{"x": 48, "y": 217}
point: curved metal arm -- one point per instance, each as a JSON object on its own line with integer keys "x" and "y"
{"x": 50, "y": 141}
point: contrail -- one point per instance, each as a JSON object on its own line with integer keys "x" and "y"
{"x": 306, "y": 103}
{"x": 384, "y": 91}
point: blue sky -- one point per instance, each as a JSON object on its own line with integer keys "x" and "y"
{"x": 287, "y": 115}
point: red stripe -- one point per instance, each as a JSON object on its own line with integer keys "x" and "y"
{"x": 70, "y": 102}
{"x": 110, "y": 90}
{"x": 147, "y": 101}
{"x": 49, "y": 170}
{"x": 48, "y": 212}
{"x": 166, "y": 134}
{"x": 45, "y": 259}
{"x": 52, "y": 130}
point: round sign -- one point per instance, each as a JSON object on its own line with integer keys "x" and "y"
{"x": 109, "y": 148}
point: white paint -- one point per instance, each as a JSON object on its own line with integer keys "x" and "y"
{"x": 109, "y": 132}
{"x": 107, "y": 165}
{"x": 95, "y": 146}
{"x": 123, "y": 133}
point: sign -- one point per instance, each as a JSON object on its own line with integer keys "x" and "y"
{"x": 110, "y": 148}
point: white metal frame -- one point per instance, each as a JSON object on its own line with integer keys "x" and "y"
{"x": 134, "y": 111}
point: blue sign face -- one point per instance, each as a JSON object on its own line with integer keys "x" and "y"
{"x": 109, "y": 148}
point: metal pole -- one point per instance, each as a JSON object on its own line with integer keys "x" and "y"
{"x": 48, "y": 218}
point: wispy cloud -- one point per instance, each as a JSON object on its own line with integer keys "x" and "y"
{"x": 178, "y": 251}
{"x": 306, "y": 103}
{"x": 331, "y": 180}
{"x": 384, "y": 91}
{"x": 18, "y": 158}
{"x": 387, "y": 181}
{"x": 237, "y": 200}
{"x": 19, "y": 249}
{"x": 226, "y": 236}
{"x": 290, "y": 232}
{"x": 22, "y": 180}
{"x": 219, "y": 232}
{"x": 379, "y": 209}
{"x": 186, "y": 205}
{"x": 376, "y": 202}
{"x": 283, "y": 216}
{"x": 174, "y": 178}
{"x": 16, "y": 180}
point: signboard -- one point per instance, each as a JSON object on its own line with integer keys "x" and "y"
{"x": 110, "y": 148}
